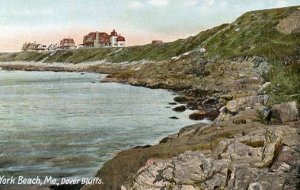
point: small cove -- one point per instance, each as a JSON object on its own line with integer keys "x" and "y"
{"x": 69, "y": 124}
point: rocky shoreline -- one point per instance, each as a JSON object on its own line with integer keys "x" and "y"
{"x": 245, "y": 148}
{"x": 249, "y": 146}
{"x": 222, "y": 74}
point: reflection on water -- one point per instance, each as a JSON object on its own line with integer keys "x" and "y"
{"x": 65, "y": 125}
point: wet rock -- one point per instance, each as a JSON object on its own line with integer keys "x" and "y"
{"x": 197, "y": 116}
{"x": 109, "y": 76}
{"x": 286, "y": 112}
{"x": 143, "y": 147}
{"x": 181, "y": 108}
{"x": 172, "y": 103}
{"x": 210, "y": 101}
{"x": 212, "y": 115}
{"x": 181, "y": 99}
{"x": 173, "y": 117}
{"x": 192, "y": 106}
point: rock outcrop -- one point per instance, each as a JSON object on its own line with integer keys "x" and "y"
{"x": 291, "y": 24}
{"x": 286, "y": 112}
{"x": 246, "y": 102}
{"x": 222, "y": 156}
{"x": 257, "y": 159}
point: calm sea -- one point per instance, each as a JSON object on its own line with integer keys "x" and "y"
{"x": 69, "y": 124}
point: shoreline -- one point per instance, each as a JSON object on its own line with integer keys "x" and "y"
{"x": 236, "y": 74}
{"x": 90, "y": 68}
{"x": 236, "y": 121}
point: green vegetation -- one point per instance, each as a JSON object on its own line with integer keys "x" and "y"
{"x": 285, "y": 83}
{"x": 255, "y": 34}
{"x": 23, "y": 56}
{"x": 252, "y": 34}
{"x": 116, "y": 55}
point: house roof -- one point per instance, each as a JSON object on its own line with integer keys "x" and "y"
{"x": 103, "y": 37}
{"x": 66, "y": 40}
{"x": 120, "y": 39}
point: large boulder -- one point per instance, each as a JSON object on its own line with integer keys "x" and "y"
{"x": 182, "y": 99}
{"x": 286, "y": 112}
{"x": 290, "y": 24}
{"x": 212, "y": 115}
{"x": 246, "y": 116}
{"x": 197, "y": 116}
{"x": 181, "y": 108}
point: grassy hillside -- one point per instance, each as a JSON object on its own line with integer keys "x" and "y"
{"x": 23, "y": 56}
{"x": 254, "y": 33}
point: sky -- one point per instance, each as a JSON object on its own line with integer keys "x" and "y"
{"x": 139, "y": 21}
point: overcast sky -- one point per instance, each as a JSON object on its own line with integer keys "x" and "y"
{"x": 139, "y": 21}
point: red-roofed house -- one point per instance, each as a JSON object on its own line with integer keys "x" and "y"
{"x": 67, "y": 43}
{"x": 96, "y": 39}
{"x": 121, "y": 41}
{"x": 102, "y": 39}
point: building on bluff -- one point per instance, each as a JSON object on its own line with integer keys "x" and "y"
{"x": 102, "y": 39}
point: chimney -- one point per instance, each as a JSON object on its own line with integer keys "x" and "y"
{"x": 96, "y": 42}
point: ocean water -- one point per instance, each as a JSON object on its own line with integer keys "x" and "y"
{"x": 69, "y": 124}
